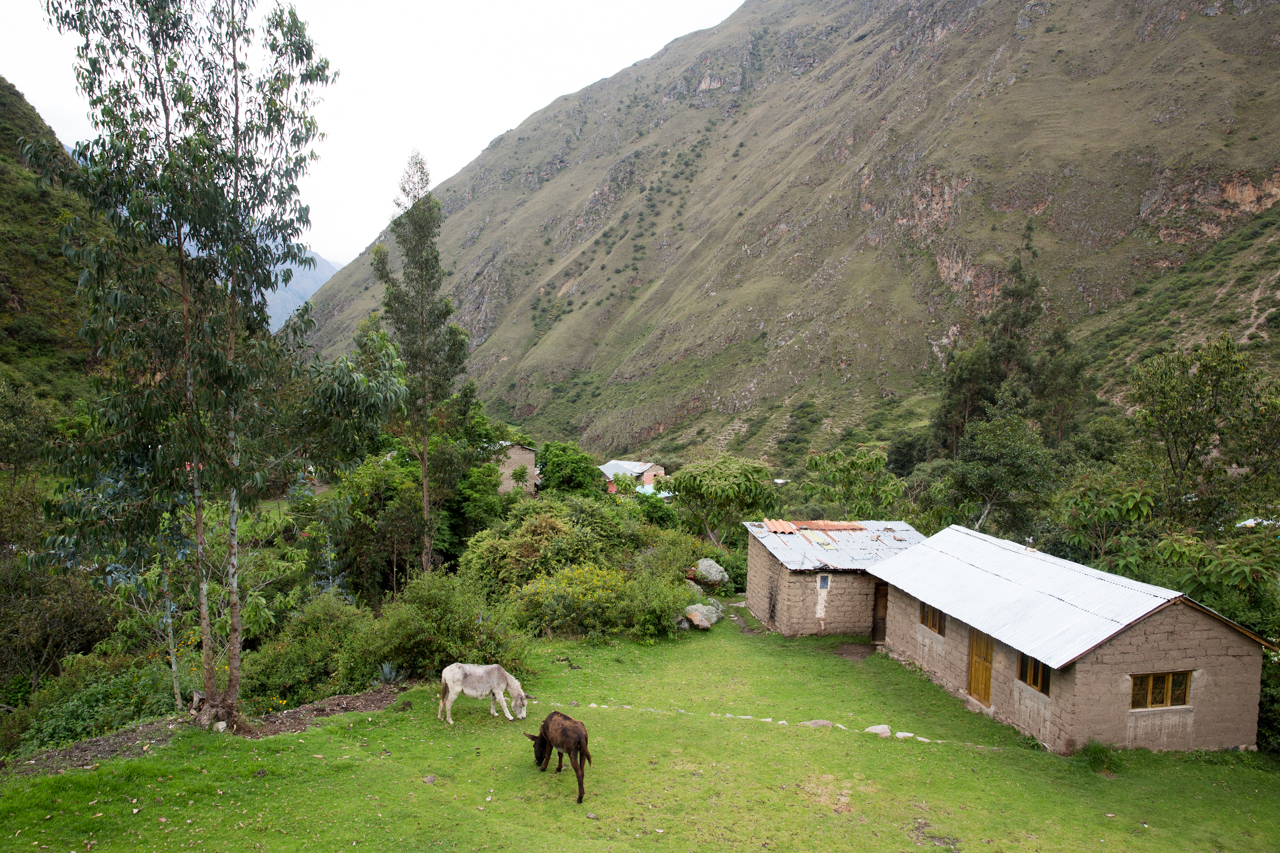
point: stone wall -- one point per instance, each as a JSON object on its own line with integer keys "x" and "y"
{"x": 1226, "y": 676}
{"x": 1090, "y": 698}
{"x": 517, "y": 455}
{"x": 792, "y": 604}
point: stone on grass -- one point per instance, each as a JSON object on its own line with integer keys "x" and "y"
{"x": 922, "y": 739}
{"x": 430, "y": 780}
{"x": 693, "y": 587}
{"x": 711, "y": 572}
{"x": 701, "y": 616}
{"x": 881, "y": 730}
{"x": 816, "y": 724}
{"x": 682, "y": 624}
{"x": 905, "y": 735}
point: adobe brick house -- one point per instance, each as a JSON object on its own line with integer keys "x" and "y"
{"x": 811, "y": 577}
{"x": 1066, "y": 653}
{"x": 517, "y": 455}
{"x": 644, "y": 472}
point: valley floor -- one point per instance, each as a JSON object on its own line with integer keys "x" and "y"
{"x": 690, "y": 751}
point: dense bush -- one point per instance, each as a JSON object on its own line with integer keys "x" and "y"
{"x": 438, "y": 620}
{"x": 300, "y": 664}
{"x": 91, "y": 697}
{"x": 592, "y": 601}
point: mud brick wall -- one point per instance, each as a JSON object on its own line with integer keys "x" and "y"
{"x": 517, "y": 455}
{"x": 1226, "y": 675}
{"x": 1090, "y": 698}
{"x": 791, "y": 603}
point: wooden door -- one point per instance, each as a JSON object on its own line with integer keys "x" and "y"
{"x": 981, "y": 655}
{"x": 880, "y": 613}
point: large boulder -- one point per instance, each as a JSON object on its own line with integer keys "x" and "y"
{"x": 711, "y": 573}
{"x": 697, "y": 620}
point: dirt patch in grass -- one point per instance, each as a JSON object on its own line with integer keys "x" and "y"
{"x": 140, "y": 740}
{"x": 298, "y": 719}
{"x": 923, "y": 838}
{"x": 855, "y": 651}
{"x": 742, "y": 623}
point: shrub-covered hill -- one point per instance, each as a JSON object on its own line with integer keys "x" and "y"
{"x": 812, "y": 199}
{"x": 39, "y": 313}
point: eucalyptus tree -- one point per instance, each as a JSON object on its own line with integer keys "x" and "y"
{"x": 434, "y": 350}
{"x": 195, "y": 173}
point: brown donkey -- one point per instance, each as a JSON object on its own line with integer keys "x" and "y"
{"x": 562, "y": 734}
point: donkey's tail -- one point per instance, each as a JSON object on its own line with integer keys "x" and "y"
{"x": 583, "y": 753}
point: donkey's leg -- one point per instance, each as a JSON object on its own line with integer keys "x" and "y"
{"x": 444, "y": 694}
{"x": 493, "y": 709}
{"x": 448, "y": 707}
{"x": 546, "y": 761}
{"x": 502, "y": 700}
{"x": 576, "y": 761}
{"x": 560, "y": 764}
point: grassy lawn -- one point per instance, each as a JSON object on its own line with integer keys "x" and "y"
{"x": 671, "y": 772}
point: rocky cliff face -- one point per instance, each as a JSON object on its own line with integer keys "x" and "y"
{"x": 815, "y": 196}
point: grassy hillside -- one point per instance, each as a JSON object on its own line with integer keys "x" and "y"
{"x": 810, "y": 200}
{"x": 39, "y": 314}
{"x": 688, "y": 751}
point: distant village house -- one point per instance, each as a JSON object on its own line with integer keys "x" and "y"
{"x": 518, "y": 455}
{"x": 644, "y": 472}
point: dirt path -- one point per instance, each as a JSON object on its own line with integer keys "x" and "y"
{"x": 140, "y": 740}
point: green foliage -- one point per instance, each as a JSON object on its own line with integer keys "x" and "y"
{"x": 434, "y": 349}
{"x": 1101, "y": 511}
{"x": 579, "y": 600}
{"x": 1100, "y": 757}
{"x": 438, "y": 620}
{"x": 26, "y": 424}
{"x": 1005, "y": 465}
{"x": 1212, "y": 420}
{"x": 859, "y": 483}
{"x": 717, "y": 495}
{"x": 300, "y": 664}
{"x": 566, "y": 468}
{"x": 91, "y": 698}
{"x": 45, "y": 614}
{"x": 588, "y": 600}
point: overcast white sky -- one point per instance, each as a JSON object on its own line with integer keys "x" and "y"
{"x": 441, "y": 77}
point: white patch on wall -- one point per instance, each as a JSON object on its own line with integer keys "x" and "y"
{"x": 820, "y": 612}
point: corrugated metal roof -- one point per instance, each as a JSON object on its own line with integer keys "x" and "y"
{"x": 780, "y": 526}
{"x": 1051, "y": 609}
{"x": 807, "y": 546}
{"x": 623, "y": 466}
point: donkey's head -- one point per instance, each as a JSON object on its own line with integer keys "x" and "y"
{"x": 519, "y": 704}
{"x": 541, "y": 747}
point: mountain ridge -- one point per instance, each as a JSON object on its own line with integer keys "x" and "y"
{"x": 815, "y": 198}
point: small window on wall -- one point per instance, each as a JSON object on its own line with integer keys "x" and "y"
{"x": 1033, "y": 673}
{"x": 1160, "y": 690}
{"x": 824, "y": 581}
{"x": 933, "y": 618}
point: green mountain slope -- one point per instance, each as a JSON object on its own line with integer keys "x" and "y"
{"x": 809, "y": 201}
{"x": 39, "y": 314}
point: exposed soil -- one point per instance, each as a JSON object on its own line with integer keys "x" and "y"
{"x": 742, "y": 623}
{"x": 139, "y": 740}
{"x": 855, "y": 651}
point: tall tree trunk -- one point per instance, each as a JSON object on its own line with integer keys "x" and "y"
{"x": 173, "y": 650}
{"x": 202, "y": 575}
{"x": 231, "y": 697}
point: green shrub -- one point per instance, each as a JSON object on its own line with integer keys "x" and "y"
{"x": 652, "y": 604}
{"x": 438, "y": 620}
{"x": 91, "y": 698}
{"x": 735, "y": 563}
{"x": 1099, "y": 757}
{"x": 580, "y": 600}
{"x": 301, "y": 663}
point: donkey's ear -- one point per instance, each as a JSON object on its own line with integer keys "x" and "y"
{"x": 531, "y": 737}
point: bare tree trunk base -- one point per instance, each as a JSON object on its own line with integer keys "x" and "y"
{"x": 218, "y": 718}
